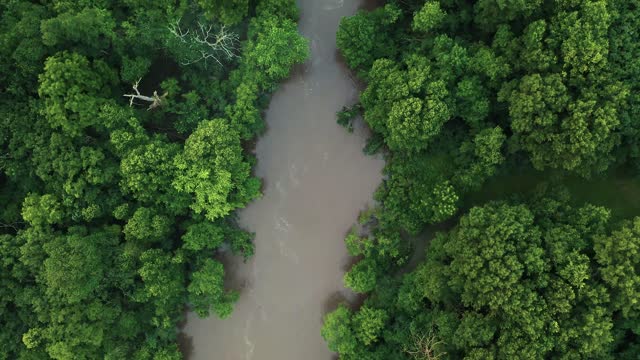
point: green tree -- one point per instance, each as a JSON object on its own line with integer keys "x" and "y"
{"x": 617, "y": 255}
{"x": 212, "y": 169}
{"x": 457, "y": 93}
{"x": 338, "y": 333}
{"x": 22, "y": 51}
{"x": 90, "y": 30}
{"x": 76, "y": 264}
{"x": 361, "y": 278}
{"x": 147, "y": 175}
{"x": 163, "y": 281}
{"x": 428, "y": 17}
{"x": 73, "y": 91}
{"x": 99, "y": 250}
{"x": 147, "y": 226}
{"x": 362, "y": 38}
{"x": 42, "y": 210}
{"x": 510, "y": 280}
{"x": 368, "y": 323}
{"x": 277, "y": 48}
{"x": 227, "y": 12}
{"x": 203, "y": 235}
{"x": 206, "y": 290}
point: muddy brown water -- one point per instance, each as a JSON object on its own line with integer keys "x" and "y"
{"x": 316, "y": 181}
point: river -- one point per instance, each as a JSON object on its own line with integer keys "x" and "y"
{"x": 316, "y": 181}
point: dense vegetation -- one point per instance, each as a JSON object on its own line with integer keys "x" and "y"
{"x": 124, "y": 135}
{"x": 512, "y": 280}
{"x": 458, "y": 93}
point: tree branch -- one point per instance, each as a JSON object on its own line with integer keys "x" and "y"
{"x": 424, "y": 347}
{"x": 155, "y": 100}
{"x": 207, "y": 42}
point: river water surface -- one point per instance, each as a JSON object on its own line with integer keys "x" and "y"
{"x": 316, "y": 181}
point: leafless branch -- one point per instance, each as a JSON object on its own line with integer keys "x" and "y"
{"x": 424, "y": 347}
{"x": 155, "y": 100}
{"x": 174, "y": 28}
{"x": 209, "y": 43}
{"x": 13, "y": 226}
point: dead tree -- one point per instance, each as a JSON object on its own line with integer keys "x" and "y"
{"x": 207, "y": 43}
{"x": 155, "y": 100}
{"x": 424, "y": 347}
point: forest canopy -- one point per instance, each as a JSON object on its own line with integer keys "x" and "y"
{"x": 124, "y": 138}
{"x": 512, "y": 280}
{"x": 461, "y": 95}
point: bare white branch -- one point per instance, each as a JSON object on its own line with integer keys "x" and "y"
{"x": 174, "y": 28}
{"x": 155, "y": 100}
{"x": 209, "y": 43}
{"x": 424, "y": 347}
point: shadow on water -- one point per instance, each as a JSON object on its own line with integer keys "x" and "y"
{"x": 185, "y": 344}
{"x": 371, "y": 5}
{"x": 346, "y": 297}
{"x": 349, "y": 262}
{"x": 420, "y": 242}
{"x": 298, "y": 71}
{"x": 233, "y": 279}
{"x": 249, "y": 146}
{"x": 332, "y": 302}
{"x": 342, "y": 63}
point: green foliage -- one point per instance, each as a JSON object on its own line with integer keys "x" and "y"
{"x": 134, "y": 68}
{"x": 347, "y": 115}
{"x": 147, "y": 175}
{"x": 22, "y": 50}
{"x": 207, "y": 288}
{"x": 203, "y": 235}
{"x": 91, "y": 29}
{"x": 163, "y": 281}
{"x": 227, "y": 12}
{"x": 429, "y": 17}
{"x": 480, "y": 158}
{"x": 511, "y": 280}
{"x": 212, "y": 169}
{"x": 146, "y": 225}
{"x": 102, "y": 245}
{"x": 617, "y": 255}
{"x": 75, "y": 264}
{"x": 355, "y": 244}
{"x": 277, "y": 48}
{"x": 536, "y": 108}
{"x": 362, "y": 38}
{"x": 282, "y": 8}
{"x": 459, "y": 92}
{"x": 41, "y": 210}
{"x": 338, "y": 333}
{"x": 362, "y": 277}
{"x": 487, "y": 267}
{"x": 71, "y": 87}
{"x": 368, "y": 323}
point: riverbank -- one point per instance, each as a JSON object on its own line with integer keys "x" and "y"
{"x": 316, "y": 180}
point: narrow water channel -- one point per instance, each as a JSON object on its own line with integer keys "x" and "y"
{"x": 316, "y": 181}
